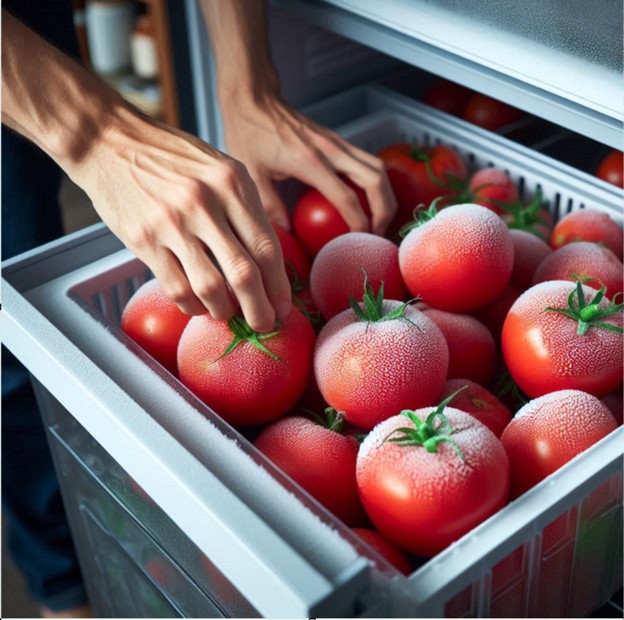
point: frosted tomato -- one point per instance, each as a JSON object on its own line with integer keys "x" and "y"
{"x": 529, "y": 252}
{"x": 342, "y": 265}
{"x": 245, "y": 376}
{"x": 316, "y": 455}
{"x": 559, "y": 336}
{"x": 551, "y": 430}
{"x": 377, "y": 358}
{"x": 492, "y": 188}
{"x": 458, "y": 259}
{"x": 427, "y": 477}
{"x": 154, "y": 322}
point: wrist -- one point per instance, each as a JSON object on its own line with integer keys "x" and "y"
{"x": 247, "y": 88}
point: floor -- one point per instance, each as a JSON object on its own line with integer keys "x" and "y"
{"x": 77, "y": 213}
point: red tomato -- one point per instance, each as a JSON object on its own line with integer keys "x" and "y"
{"x": 611, "y": 168}
{"x": 479, "y": 403}
{"x": 340, "y": 268}
{"x": 423, "y": 499}
{"x": 319, "y": 458}
{"x": 529, "y": 252}
{"x": 490, "y": 113}
{"x": 385, "y": 548}
{"x": 544, "y": 351}
{"x": 419, "y": 176}
{"x": 490, "y": 186}
{"x": 154, "y": 322}
{"x": 493, "y": 315}
{"x": 316, "y": 221}
{"x": 588, "y": 262}
{"x": 588, "y": 225}
{"x": 549, "y": 431}
{"x": 448, "y": 97}
{"x": 371, "y": 369}
{"x": 458, "y": 260}
{"x": 472, "y": 350}
{"x": 233, "y": 369}
{"x": 616, "y": 405}
{"x": 295, "y": 259}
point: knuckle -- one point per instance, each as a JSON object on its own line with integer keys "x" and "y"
{"x": 140, "y": 237}
{"x": 266, "y": 251}
{"x": 209, "y": 289}
{"x": 179, "y": 292}
{"x": 308, "y": 156}
{"x": 191, "y": 193}
{"x": 230, "y": 174}
{"x": 243, "y": 275}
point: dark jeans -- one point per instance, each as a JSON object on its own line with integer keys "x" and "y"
{"x": 38, "y": 536}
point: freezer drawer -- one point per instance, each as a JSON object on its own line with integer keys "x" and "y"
{"x": 113, "y": 412}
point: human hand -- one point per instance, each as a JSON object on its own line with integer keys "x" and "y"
{"x": 276, "y": 142}
{"x": 171, "y": 199}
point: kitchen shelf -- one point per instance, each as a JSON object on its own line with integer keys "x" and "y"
{"x": 577, "y": 89}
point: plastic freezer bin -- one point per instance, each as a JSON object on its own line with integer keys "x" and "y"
{"x": 156, "y": 483}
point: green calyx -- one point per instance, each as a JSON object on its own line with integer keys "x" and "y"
{"x": 525, "y": 217}
{"x": 243, "y": 333}
{"x": 373, "y": 310}
{"x": 430, "y": 433}
{"x": 589, "y": 314}
{"x": 332, "y": 420}
{"x": 421, "y": 216}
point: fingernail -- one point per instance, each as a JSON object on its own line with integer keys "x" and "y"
{"x": 283, "y": 310}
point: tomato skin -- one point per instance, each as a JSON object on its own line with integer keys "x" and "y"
{"x": 317, "y": 221}
{"x": 491, "y": 185}
{"x": 448, "y": 96}
{"x": 385, "y": 548}
{"x": 614, "y": 402}
{"x": 154, "y": 322}
{"x": 594, "y": 264}
{"x": 490, "y": 113}
{"x": 423, "y": 501}
{"x": 544, "y": 353}
{"x": 322, "y": 461}
{"x": 410, "y": 179}
{"x": 458, "y": 261}
{"x": 472, "y": 350}
{"x": 529, "y": 252}
{"x": 611, "y": 169}
{"x": 551, "y": 430}
{"x": 295, "y": 257}
{"x": 493, "y": 315}
{"x": 371, "y": 371}
{"x": 246, "y": 386}
{"x": 588, "y": 225}
{"x": 339, "y": 269}
{"x": 479, "y": 403}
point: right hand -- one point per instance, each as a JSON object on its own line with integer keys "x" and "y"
{"x": 171, "y": 198}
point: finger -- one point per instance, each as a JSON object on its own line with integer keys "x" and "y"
{"x": 271, "y": 201}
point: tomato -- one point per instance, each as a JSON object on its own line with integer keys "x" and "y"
{"x": 458, "y": 259}
{"x": 318, "y": 457}
{"x": 479, "y": 403}
{"x": 370, "y": 365}
{"x": 419, "y": 175}
{"x": 544, "y": 350}
{"x": 588, "y": 225}
{"x": 551, "y": 430}
{"x": 534, "y": 216}
{"x": 611, "y": 168}
{"x": 385, "y": 548}
{"x": 616, "y": 405}
{"x": 448, "y": 97}
{"x": 493, "y": 315}
{"x": 340, "y": 268}
{"x": 585, "y": 261}
{"x": 316, "y": 221}
{"x": 424, "y": 498}
{"x": 472, "y": 350}
{"x": 246, "y": 377}
{"x": 490, "y": 113}
{"x": 489, "y": 187}
{"x": 295, "y": 258}
{"x": 529, "y": 252}
{"x": 155, "y": 323}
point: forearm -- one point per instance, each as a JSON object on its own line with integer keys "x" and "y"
{"x": 49, "y": 98}
{"x": 237, "y": 30}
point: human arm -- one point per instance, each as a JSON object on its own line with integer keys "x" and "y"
{"x": 167, "y": 195}
{"x": 275, "y": 141}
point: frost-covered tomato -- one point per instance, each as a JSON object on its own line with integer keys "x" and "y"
{"x": 385, "y": 357}
{"x": 429, "y": 476}
{"x": 529, "y": 252}
{"x": 588, "y": 225}
{"x": 458, "y": 259}
{"x": 340, "y": 268}
{"x": 551, "y": 430}
{"x": 493, "y": 315}
{"x": 560, "y": 335}
{"x": 587, "y": 262}
{"x": 154, "y": 322}
{"x": 319, "y": 458}
{"x": 245, "y": 376}
{"x": 490, "y": 188}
